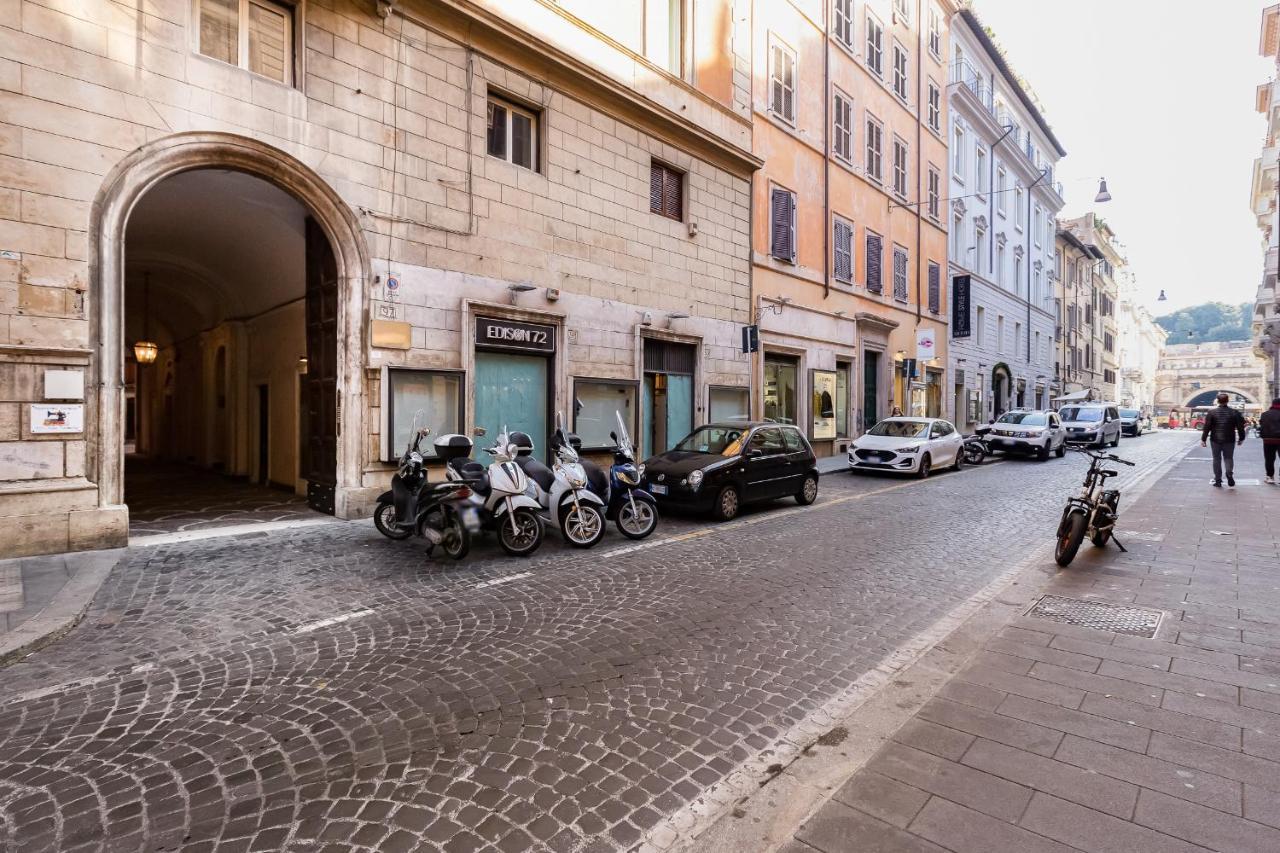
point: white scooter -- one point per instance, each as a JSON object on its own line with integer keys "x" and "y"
{"x": 499, "y": 492}
{"x": 562, "y": 489}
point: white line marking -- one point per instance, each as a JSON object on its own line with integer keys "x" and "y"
{"x": 504, "y": 579}
{"x": 308, "y": 627}
{"x": 76, "y": 684}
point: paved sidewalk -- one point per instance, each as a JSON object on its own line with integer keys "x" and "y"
{"x": 41, "y": 597}
{"x": 1059, "y": 737}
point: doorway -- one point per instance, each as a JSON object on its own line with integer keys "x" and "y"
{"x": 512, "y": 391}
{"x": 666, "y": 404}
{"x": 870, "y": 389}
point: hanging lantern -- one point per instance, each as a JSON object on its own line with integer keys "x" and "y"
{"x": 145, "y": 351}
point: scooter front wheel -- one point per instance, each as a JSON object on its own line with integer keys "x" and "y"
{"x": 582, "y": 525}
{"x": 384, "y": 518}
{"x": 457, "y": 540}
{"x": 520, "y": 533}
{"x": 637, "y": 523}
{"x": 1070, "y": 535}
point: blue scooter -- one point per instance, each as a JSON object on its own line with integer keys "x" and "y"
{"x": 630, "y": 505}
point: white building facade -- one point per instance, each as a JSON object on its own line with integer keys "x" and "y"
{"x": 1142, "y": 341}
{"x": 1266, "y": 180}
{"x": 1003, "y": 200}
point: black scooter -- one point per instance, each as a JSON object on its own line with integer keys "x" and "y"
{"x": 438, "y": 512}
{"x": 976, "y": 448}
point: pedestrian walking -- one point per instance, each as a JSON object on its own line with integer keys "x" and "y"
{"x": 1269, "y": 432}
{"x": 1222, "y": 426}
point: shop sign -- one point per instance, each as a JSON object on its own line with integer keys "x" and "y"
{"x": 57, "y": 417}
{"x": 515, "y": 335}
{"x": 824, "y": 404}
{"x": 388, "y": 311}
{"x": 960, "y": 327}
{"x": 925, "y": 348}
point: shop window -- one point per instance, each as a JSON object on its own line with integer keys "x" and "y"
{"x": 842, "y": 399}
{"x": 418, "y": 398}
{"x": 666, "y": 191}
{"x": 597, "y": 404}
{"x": 822, "y": 412}
{"x": 254, "y": 34}
{"x": 781, "y": 390}
{"x": 730, "y": 404}
{"x": 512, "y": 133}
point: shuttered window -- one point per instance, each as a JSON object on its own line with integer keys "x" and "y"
{"x": 842, "y": 239}
{"x": 844, "y": 22}
{"x": 935, "y": 288}
{"x": 666, "y": 191}
{"x": 782, "y": 225}
{"x": 782, "y": 83}
{"x": 875, "y": 149}
{"x": 900, "y": 167}
{"x": 875, "y": 46}
{"x": 875, "y": 263}
{"x": 899, "y": 273}
{"x": 900, "y": 71}
{"x": 935, "y": 106}
{"x": 843, "y": 131}
{"x": 935, "y": 184}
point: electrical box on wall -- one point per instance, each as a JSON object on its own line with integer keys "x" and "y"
{"x": 64, "y": 384}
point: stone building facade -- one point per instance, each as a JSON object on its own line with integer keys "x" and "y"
{"x": 1091, "y": 303}
{"x": 491, "y": 212}
{"x": 1190, "y": 376}
{"x": 1263, "y": 199}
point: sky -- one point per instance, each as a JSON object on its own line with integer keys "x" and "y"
{"x": 1158, "y": 98}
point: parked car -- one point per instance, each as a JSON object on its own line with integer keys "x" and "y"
{"x": 721, "y": 467}
{"x": 1091, "y": 423}
{"x": 1133, "y": 422}
{"x": 1028, "y": 431}
{"x": 909, "y": 446}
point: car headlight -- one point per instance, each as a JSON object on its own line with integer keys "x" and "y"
{"x": 695, "y": 479}
{"x": 912, "y": 449}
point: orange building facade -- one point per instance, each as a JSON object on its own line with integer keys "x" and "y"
{"x": 849, "y": 244}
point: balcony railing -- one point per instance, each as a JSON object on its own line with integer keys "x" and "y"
{"x": 964, "y": 73}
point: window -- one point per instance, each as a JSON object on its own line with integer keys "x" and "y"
{"x": 1038, "y": 353}
{"x": 875, "y": 133}
{"x": 1019, "y": 211}
{"x": 843, "y": 369}
{"x": 957, "y": 240}
{"x": 513, "y": 133}
{"x": 935, "y": 287}
{"x": 844, "y": 22}
{"x": 875, "y": 263}
{"x": 782, "y": 225}
{"x": 998, "y": 272}
{"x": 1017, "y": 338}
{"x": 843, "y": 131}
{"x": 253, "y": 34}
{"x": 1035, "y": 224}
{"x": 599, "y": 400}
{"x": 899, "y": 71}
{"x": 1002, "y": 184}
{"x": 980, "y": 170}
{"x": 934, "y": 192}
{"x": 1035, "y": 290}
{"x": 842, "y": 243}
{"x": 979, "y": 248}
{"x": 663, "y": 25}
{"x": 875, "y": 46}
{"x": 729, "y": 404}
{"x": 781, "y": 389}
{"x": 935, "y": 106}
{"x": 768, "y": 440}
{"x": 957, "y": 154}
{"x": 935, "y": 34}
{"x": 666, "y": 191}
{"x": 999, "y": 333}
{"x": 782, "y": 82}
{"x": 900, "y": 273}
{"x": 902, "y": 10}
{"x": 900, "y": 167}
{"x": 980, "y": 324}
{"x": 1017, "y": 274}
{"x": 437, "y": 394}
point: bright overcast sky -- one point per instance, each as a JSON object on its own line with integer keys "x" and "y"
{"x": 1159, "y": 99}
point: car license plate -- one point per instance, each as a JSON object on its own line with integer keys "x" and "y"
{"x": 658, "y": 490}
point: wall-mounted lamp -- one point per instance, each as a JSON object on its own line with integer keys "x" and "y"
{"x": 146, "y": 350}
{"x": 302, "y": 364}
{"x": 519, "y": 287}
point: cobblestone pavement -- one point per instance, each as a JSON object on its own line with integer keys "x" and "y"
{"x": 1064, "y": 737}
{"x": 326, "y": 689}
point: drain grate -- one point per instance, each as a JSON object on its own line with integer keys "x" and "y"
{"x": 1134, "y": 621}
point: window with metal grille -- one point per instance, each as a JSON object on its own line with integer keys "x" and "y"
{"x": 934, "y": 189}
{"x": 900, "y": 167}
{"x": 875, "y": 148}
{"x": 666, "y": 191}
{"x": 899, "y": 273}
{"x": 935, "y": 287}
{"x": 782, "y": 225}
{"x": 782, "y": 82}
{"x": 842, "y": 242}
{"x": 844, "y": 22}
{"x": 874, "y": 56}
{"x": 935, "y": 106}
{"x": 842, "y": 109}
{"x": 900, "y": 71}
{"x": 875, "y": 263}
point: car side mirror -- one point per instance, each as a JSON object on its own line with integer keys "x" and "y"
{"x": 753, "y": 453}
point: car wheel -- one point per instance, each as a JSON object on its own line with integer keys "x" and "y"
{"x": 925, "y": 463}
{"x": 727, "y": 504}
{"x": 1062, "y": 450}
{"x": 959, "y": 463}
{"x": 808, "y": 490}
{"x": 1115, "y": 442}
{"x": 1042, "y": 453}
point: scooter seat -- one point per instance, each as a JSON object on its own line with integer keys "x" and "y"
{"x": 536, "y": 471}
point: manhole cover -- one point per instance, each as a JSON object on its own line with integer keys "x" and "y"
{"x": 1133, "y": 621}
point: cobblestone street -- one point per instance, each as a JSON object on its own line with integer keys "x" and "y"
{"x": 324, "y": 688}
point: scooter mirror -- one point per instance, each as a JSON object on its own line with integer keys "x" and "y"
{"x": 478, "y": 431}
{"x": 613, "y": 435}
{"x": 513, "y": 450}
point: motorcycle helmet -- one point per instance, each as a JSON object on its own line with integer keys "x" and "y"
{"x": 522, "y": 441}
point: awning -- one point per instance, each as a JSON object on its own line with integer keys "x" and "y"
{"x": 1073, "y": 397}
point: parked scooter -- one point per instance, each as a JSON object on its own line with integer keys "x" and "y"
{"x": 976, "y": 448}
{"x": 438, "y": 512}
{"x": 561, "y": 490}
{"x": 630, "y": 506}
{"x": 1093, "y": 512}
{"x": 499, "y": 493}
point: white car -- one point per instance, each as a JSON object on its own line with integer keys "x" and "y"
{"x": 1028, "y": 431}
{"x": 909, "y": 446}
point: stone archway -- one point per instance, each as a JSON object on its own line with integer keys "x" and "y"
{"x": 1001, "y": 388}
{"x": 1208, "y": 398}
{"x": 121, "y": 190}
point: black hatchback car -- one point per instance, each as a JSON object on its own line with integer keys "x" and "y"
{"x": 723, "y": 466}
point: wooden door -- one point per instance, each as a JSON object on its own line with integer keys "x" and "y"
{"x": 320, "y": 386}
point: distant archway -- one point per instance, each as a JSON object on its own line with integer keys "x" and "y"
{"x": 1210, "y": 398}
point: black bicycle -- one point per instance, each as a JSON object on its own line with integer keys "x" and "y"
{"x": 1094, "y": 512}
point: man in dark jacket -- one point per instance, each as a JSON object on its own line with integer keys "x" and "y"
{"x": 1269, "y": 429}
{"x": 1224, "y": 425}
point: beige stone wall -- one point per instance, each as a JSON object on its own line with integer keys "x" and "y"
{"x": 382, "y": 113}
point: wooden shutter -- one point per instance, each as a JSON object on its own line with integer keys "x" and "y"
{"x": 655, "y": 188}
{"x": 935, "y": 288}
{"x": 782, "y": 225}
{"x": 665, "y": 191}
{"x": 900, "y": 275}
{"x": 875, "y": 262}
{"x": 843, "y": 239}
{"x": 776, "y": 88}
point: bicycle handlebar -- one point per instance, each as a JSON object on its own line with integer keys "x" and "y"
{"x": 1111, "y": 457}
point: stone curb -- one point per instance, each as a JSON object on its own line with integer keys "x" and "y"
{"x": 67, "y": 607}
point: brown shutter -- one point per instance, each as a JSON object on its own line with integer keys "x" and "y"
{"x": 782, "y": 225}
{"x": 672, "y": 203}
{"x": 935, "y": 288}
{"x": 655, "y": 188}
{"x": 875, "y": 260}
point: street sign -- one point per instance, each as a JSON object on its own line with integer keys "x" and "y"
{"x": 960, "y": 326}
{"x": 925, "y": 345}
{"x": 751, "y": 338}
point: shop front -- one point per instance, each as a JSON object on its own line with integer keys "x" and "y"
{"x": 667, "y": 402}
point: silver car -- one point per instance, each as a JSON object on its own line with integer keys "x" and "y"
{"x": 1097, "y": 424}
{"x": 1028, "y": 431}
